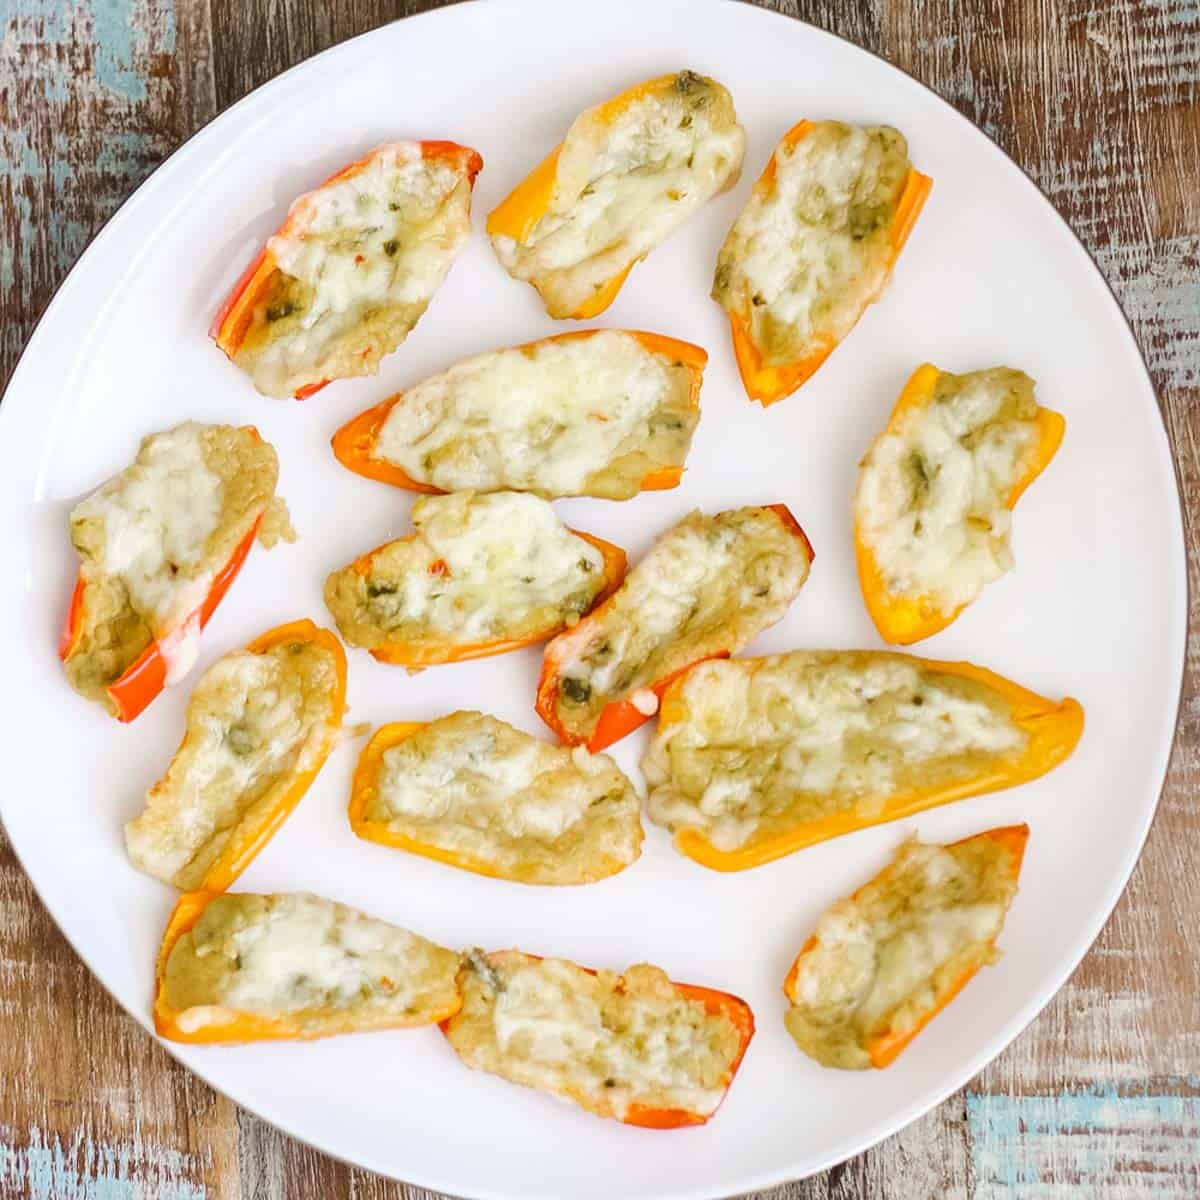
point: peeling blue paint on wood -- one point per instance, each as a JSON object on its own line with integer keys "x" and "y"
{"x": 45, "y": 1169}
{"x": 88, "y": 83}
{"x": 1159, "y": 290}
{"x": 1079, "y": 1145}
{"x": 112, "y": 28}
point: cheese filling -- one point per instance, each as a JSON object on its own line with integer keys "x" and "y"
{"x": 708, "y": 585}
{"x": 255, "y": 723}
{"x": 472, "y": 785}
{"x": 480, "y": 568}
{"x": 624, "y": 183}
{"x": 589, "y": 416}
{"x": 813, "y": 247}
{"x": 932, "y": 503}
{"x": 152, "y": 541}
{"x": 749, "y": 749}
{"x": 300, "y": 956}
{"x": 357, "y": 263}
{"x": 886, "y": 956}
{"x": 610, "y": 1042}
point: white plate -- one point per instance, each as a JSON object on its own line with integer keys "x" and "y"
{"x": 1095, "y": 608}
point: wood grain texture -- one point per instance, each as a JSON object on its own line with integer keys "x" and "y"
{"x": 1099, "y": 102}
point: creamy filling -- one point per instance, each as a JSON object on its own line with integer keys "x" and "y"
{"x": 254, "y": 720}
{"x": 156, "y": 519}
{"x": 296, "y": 954}
{"x": 359, "y": 260}
{"x": 609, "y": 1041}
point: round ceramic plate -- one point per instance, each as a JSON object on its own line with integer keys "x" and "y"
{"x": 1095, "y": 607}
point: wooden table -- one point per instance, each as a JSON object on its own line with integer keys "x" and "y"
{"x": 1100, "y": 103}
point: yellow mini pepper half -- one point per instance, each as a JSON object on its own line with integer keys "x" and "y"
{"x": 1053, "y": 727}
{"x": 902, "y": 619}
{"x": 362, "y": 790}
{"x": 560, "y": 180}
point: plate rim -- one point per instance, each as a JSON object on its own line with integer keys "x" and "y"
{"x": 861, "y": 1142}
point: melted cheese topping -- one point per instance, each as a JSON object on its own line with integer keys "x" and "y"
{"x": 322, "y": 966}
{"x": 529, "y": 811}
{"x": 358, "y": 261}
{"x": 933, "y": 492}
{"x": 478, "y": 569}
{"x": 812, "y": 247}
{"x": 749, "y": 749}
{"x": 588, "y": 416}
{"x": 708, "y": 585}
{"x": 255, "y": 723}
{"x": 886, "y": 956}
{"x": 607, "y": 1041}
{"x": 625, "y": 181}
{"x": 152, "y": 541}
{"x": 156, "y": 518}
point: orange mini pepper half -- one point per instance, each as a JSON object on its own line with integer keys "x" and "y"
{"x": 429, "y": 652}
{"x": 716, "y": 1003}
{"x": 146, "y": 676}
{"x": 770, "y": 382}
{"x": 518, "y": 215}
{"x": 238, "y": 312}
{"x": 883, "y": 1048}
{"x": 227, "y": 1025}
{"x": 741, "y": 1016}
{"x": 355, "y": 442}
{"x": 1053, "y": 729}
{"x": 904, "y": 619}
{"x": 623, "y": 716}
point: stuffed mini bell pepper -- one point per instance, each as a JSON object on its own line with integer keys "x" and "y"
{"x": 636, "y": 1047}
{"x": 814, "y": 246}
{"x": 473, "y": 792}
{"x": 885, "y": 961}
{"x": 481, "y": 576}
{"x": 160, "y": 544}
{"x": 932, "y": 512}
{"x": 628, "y": 173}
{"x": 260, "y": 724}
{"x": 352, "y": 269}
{"x": 706, "y": 588}
{"x": 755, "y": 758}
{"x": 606, "y": 412}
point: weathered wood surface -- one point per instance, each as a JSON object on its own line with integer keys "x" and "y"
{"x": 1100, "y": 103}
